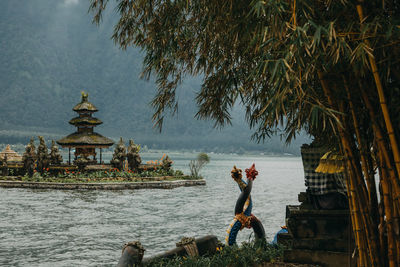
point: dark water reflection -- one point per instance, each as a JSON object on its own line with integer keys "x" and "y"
{"x": 88, "y": 228}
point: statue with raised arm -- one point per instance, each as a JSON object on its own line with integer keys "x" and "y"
{"x": 243, "y": 216}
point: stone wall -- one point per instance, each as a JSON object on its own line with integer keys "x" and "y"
{"x": 103, "y": 186}
{"x": 321, "y": 237}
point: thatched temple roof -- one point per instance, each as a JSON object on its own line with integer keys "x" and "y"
{"x": 85, "y": 139}
{"x": 78, "y": 121}
{"x": 85, "y": 105}
{"x": 85, "y": 136}
{"x": 11, "y": 154}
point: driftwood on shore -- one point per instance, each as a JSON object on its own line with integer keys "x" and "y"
{"x": 132, "y": 255}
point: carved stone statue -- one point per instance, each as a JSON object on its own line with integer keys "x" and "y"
{"x": 42, "y": 155}
{"x": 82, "y": 161}
{"x": 166, "y": 163}
{"x": 29, "y": 158}
{"x": 84, "y": 96}
{"x": 243, "y": 215}
{"x": 32, "y": 144}
{"x": 133, "y": 156}
{"x": 119, "y": 155}
{"x": 55, "y": 156}
{"x": 4, "y": 167}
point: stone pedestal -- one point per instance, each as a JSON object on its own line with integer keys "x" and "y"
{"x": 321, "y": 237}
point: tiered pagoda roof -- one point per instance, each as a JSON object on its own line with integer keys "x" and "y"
{"x": 82, "y": 121}
{"x": 85, "y": 105}
{"x": 85, "y": 139}
{"x": 85, "y": 136}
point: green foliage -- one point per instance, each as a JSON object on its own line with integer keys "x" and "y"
{"x": 203, "y": 158}
{"x": 249, "y": 254}
{"x": 196, "y": 165}
{"x": 110, "y": 176}
{"x": 263, "y": 54}
{"x": 51, "y": 52}
{"x": 330, "y": 68}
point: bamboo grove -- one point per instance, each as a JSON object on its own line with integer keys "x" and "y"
{"x": 328, "y": 67}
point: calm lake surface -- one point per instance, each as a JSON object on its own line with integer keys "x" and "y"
{"x": 89, "y": 228}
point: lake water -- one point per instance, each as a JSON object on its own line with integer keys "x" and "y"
{"x": 89, "y": 228}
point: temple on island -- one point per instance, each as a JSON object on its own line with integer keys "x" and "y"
{"x": 85, "y": 140}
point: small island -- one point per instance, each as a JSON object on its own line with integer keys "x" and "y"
{"x": 39, "y": 168}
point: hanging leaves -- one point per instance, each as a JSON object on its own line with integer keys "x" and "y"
{"x": 286, "y": 62}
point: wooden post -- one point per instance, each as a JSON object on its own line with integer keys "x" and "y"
{"x": 69, "y": 156}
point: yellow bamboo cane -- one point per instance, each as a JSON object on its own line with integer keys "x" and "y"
{"x": 372, "y": 196}
{"x": 389, "y": 220}
{"x": 382, "y": 222}
{"x": 362, "y": 196}
{"x": 382, "y": 147}
{"x": 388, "y": 213}
{"x": 357, "y": 197}
{"x": 294, "y": 13}
{"x": 366, "y": 221}
{"x": 352, "y": 210}
{"x": 369, "y": 225}
{"x": 396, "y": 225}
{"x": 373, "y": 202}
{"x": 382, "y": 100}
{"x": 357, "y": 228}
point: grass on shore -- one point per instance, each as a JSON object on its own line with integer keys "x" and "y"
{"x": 248, "y": 254}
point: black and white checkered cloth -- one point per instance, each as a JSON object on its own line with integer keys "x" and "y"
{"x": 319, "y": 183}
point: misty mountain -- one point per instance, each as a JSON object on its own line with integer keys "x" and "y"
{"x": 51, "y": 51}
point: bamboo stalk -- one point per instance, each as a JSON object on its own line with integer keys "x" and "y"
{"x": 382, "y": 222}
{"x": 372, "y": 220}
{"x": 358, "y": 230}
{"x": 294, "y": 13}
{"x": 353, "y": 210}
{"x": 396, "y": 227}
{"x": 382, "y": 100}
{"x": 390, "y": 180}
{"x": 352, "y": 213}
{"x": 351, "y": 192}
{"x": 368, "y": 226}
{"x": 372, "y": 196}
{"x": 359, "y": 191}
{"x": 388, "y": 212}
{"x": 382, "y": 146}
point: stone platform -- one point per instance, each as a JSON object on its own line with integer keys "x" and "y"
{"x": 103, "y": 186}
{"x": 322, "y": 237}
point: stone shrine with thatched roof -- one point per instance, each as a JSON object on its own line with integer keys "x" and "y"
{"x": 10, "y": 155}
{"x": 85, "y": 140}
